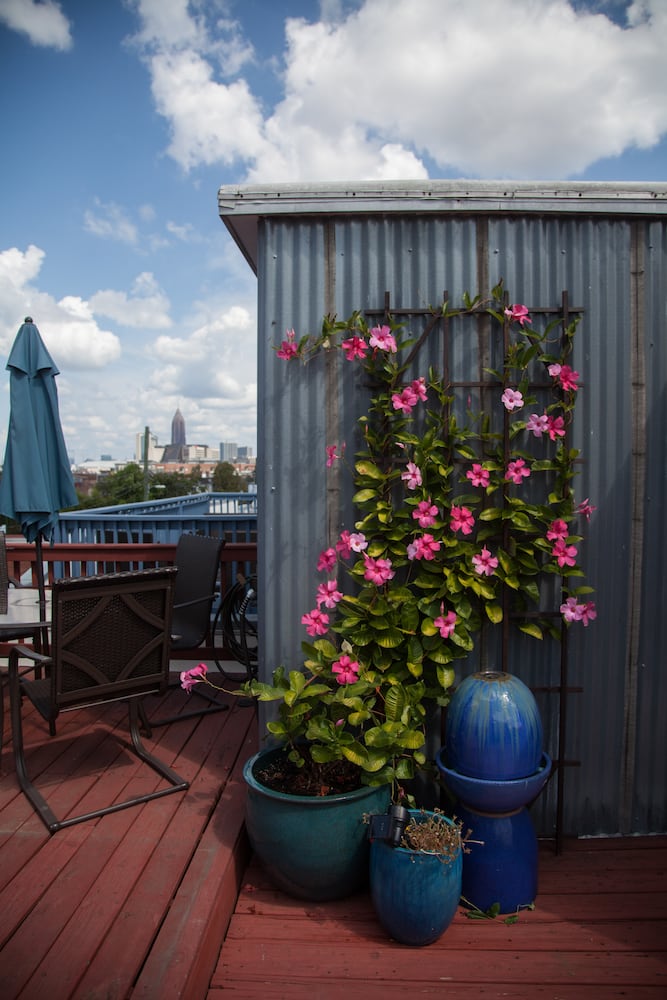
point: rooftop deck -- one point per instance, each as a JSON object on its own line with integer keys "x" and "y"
{"x": 138, "y": 903}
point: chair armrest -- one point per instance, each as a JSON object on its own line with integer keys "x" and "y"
{"x": 25, "y": 652}
{"x": 197, "y": 600}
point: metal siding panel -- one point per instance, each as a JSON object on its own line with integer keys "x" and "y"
{"x": 416, "y": 257}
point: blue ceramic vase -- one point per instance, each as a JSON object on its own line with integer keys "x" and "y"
{"x": 415, "y": 895}
{"x": 312, "y": 847}
{"x": 493, "y": 729}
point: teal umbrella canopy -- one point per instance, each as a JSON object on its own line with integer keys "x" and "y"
{"x": 36, "y": 477}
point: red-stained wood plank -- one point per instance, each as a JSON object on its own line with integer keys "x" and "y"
{"x": 126, "y": 946}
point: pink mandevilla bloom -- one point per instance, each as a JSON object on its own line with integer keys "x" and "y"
{"x": 517, "y": 470}
{"x": 461, "y": 519}
{"x": 358, "y": 541}
{"x": 326, "y": 561}
{"x": 555, "y": 427}
{"x": 589, "y": 613}
{"x": 518, "y": 313}
{"x": 585, "y": 508}
{"x": 316, "y": 622}
{"x": 512, "y": 399}
{"x": 346, "y": 671}
{"x": 445, "y": 623}
{"x": 404, "y": 400}
{"x": 343, "y": 547}
{"x": 571, "y": 610}
{"x": 565, "y": 555}
{"x": 328, "y": 594}
{"x": 288, "y": 349}
{"x": 377, "y": 571}
{"x": 332, "y": 454}
{"x": 426, "y": 513}
{"x": 568, "y": 379}
{"x": 538, "y": 424}
{"x": 423, "y": 548}
{"x": 412, "y": 477}
{"x": 193, "y": 676}
{"x": 354, "y": 347}
{"x": 418, "y": 386}
{"x": 557, "y": 529}
{"x": 484, "y": 563}
{"x": 478, "y": 476}
{"x": 381, "y": 337}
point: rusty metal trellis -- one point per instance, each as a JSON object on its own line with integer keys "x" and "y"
{"x": 436, "y": 321}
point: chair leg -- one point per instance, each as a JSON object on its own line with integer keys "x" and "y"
{"x": 39, "y": 803}
{"x": 200, "y": 690}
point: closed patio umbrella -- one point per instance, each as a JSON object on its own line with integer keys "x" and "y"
{"x": 36, "y": 477}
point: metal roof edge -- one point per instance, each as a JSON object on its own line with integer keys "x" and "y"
{"x": 240, "y": 206}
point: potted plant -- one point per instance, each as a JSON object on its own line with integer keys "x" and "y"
{"x": 447, "y": 534}
{"x": 415, "y": 873}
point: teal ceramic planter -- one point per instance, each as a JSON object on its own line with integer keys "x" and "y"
{"x": 312, "y": 847}
{"x": 493, "y": 729}
{"x": 415, "y": 895}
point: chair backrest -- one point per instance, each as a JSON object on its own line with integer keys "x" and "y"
{"x": 111, "y": 636}
{"x": 238, "y": 619}
{"x": 198, "y": 563}
{"x": 4, "y": 575}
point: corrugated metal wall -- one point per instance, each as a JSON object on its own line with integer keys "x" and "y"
{"x": 613, "y": 267}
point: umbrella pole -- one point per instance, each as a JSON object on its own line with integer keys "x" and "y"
{"x": 40, "y": 572}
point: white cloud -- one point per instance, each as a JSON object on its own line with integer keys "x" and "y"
{"x": 110, "y": 222}
{"x": 44, "y": 23}
{"x": 487, "y": 88}
{"x": 147, "y": 307}
{"x": 67, "y": 326}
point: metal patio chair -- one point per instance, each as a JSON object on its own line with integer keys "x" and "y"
{"x": 198, "y": 563}
{"x": 237, "y": 622}
{"x": 110, "y": 641}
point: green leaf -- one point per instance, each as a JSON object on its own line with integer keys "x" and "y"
{"x": 365, "y": 468}
{"x": 490, "y": 514}
{"x": 494, "y": 613}
{"x": 530, "y": 628}
{"x": 364, "y": 496}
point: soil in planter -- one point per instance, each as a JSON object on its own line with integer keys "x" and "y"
{"x": 332, "y": 778}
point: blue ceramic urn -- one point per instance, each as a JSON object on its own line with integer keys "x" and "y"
{"x": 493, "y": 729}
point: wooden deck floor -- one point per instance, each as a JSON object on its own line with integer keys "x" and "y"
{"x": 136, "y": 904}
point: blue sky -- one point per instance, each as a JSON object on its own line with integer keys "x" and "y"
{"x": 121, "y": 118}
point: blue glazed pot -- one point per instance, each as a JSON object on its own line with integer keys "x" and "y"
{"x": 312, "y": 847}
{"x": 495, "y": 796}
{"x": 493, "y": 729}
{"x": 503, "y": 860}
{"x": 415, "y": 895}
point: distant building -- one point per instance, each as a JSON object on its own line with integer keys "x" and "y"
{"x": 178, "y": 429}
{"x": 228, "y": 451}
{"x": 244, "y": 454}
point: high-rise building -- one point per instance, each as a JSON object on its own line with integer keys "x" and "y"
{"x": 244, "y": 453}
{"x": 228, "y": 451}
{"x": 178, "y": 429}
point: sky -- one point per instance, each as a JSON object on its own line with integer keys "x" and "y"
{"x": 121, "y": 119}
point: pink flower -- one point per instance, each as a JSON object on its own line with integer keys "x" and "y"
{"x": 418, "y": 386}
{"x": 332, "y": 454}
{"x": 326, "y": 561}
{"x": 193, "y": 676}
{"x": 539, "y": 425}
{"x": 484, "y": 563}
{"x": 555, "y": 427}
{"x": 517, "y": 470}
{"x": 519, "y": 314}
{"x": 381, "y": 337}
{"x": 461, "y": 519}
{"x": 412, "y": 477}
{"x": 343, "y": 544}
{"x": 566, "y": 555}
{"x": 377, "y": 571}
{"x": 426, "y": 513}
{"x": 512, "y": 399}
{"x": 358, "y": 542}
{"x": 557, "y": 529}
{"x": 589, "y": 612}
{"x": 354, "y": 347}
{"x": 423, "y": 548}
{"x": 328, "y": 594}
{"x": 288, "y": 349}
{"x": 478, "y": 476}
{"x": 566, "y": 376}
{"x": 585, "y": 508}
{"x": 445, "y": 623}
{"x": 405, "y": 400}
{"x": 347, "y": 671}
{"x": 316, "y": 622}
